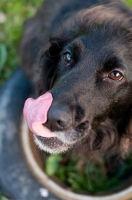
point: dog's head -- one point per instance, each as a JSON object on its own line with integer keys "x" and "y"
{"x": 87, "y": 67}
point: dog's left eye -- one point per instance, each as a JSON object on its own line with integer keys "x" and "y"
{"x": 67, "y": 57}
{"x": 115, "y": 75}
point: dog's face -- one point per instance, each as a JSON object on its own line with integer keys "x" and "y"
{"x": 90, "y": 78}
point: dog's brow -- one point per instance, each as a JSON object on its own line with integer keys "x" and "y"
{"x": 76, "y": 47}
{"x": 112, "y": 63}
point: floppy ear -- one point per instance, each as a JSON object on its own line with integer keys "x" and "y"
{"x": 126, "y": 139}
{"x": 119, "y": 140}
{"x": 49, "y": 64}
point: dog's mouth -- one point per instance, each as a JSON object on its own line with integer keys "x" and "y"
{"x": 51, "y": 145}
{"x": 48, "y": 138}
{"x": 61, "y": 142}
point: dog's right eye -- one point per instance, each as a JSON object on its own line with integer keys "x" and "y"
{"x": 67, "y": 57}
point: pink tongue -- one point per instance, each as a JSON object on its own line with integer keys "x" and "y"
{"x": 35, "y": 112}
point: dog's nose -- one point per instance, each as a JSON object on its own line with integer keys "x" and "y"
{"x": 59, "y": 117}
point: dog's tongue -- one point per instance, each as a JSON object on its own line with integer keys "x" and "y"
{"x": 35, "y": 112}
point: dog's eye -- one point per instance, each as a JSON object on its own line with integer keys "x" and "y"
{"x": 67, "y": 57}
{"x": 115, "y": 75}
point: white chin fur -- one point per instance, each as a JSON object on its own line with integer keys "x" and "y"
{"x": 44, "y": 147}
{"x": 62, "y": 136}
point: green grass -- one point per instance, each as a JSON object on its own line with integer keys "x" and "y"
{"x": 13, "y": 14}
{"x": 129, "y": 2}
{"x": 2, "y": 197}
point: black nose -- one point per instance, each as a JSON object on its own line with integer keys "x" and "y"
{"x": 59, "y": 117}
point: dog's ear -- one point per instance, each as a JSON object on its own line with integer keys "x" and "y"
{"x": 49, "y": 63}
{"x": 125, "y": 142}
{"x": 118, "y": 139}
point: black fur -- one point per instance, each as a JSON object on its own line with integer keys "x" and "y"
{"x": 98, "y": 34}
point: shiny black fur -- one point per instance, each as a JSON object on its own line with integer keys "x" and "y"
{"x": 98, "y": 34}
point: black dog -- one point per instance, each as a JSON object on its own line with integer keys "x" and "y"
{"x": 81, "y": 50}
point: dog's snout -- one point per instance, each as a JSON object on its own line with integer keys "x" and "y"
{"x": 59, "y": 117}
